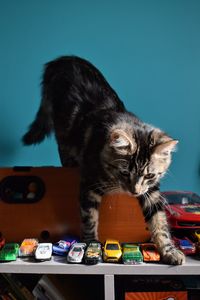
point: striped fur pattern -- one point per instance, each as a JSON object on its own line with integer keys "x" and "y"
{"x": 115, "y": 150}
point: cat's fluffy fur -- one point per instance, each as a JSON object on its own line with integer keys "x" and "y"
{"x": 114, "y": 149}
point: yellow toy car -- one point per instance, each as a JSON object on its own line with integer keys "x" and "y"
{"x": 112, "y": 251}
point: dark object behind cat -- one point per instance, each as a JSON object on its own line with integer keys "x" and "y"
{"x": 114, "y": 149}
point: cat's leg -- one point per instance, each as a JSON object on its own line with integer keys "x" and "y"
{"x": 67, "y": 136}
{"x": 68, "y": 155}
{"x": 89, "y": 206}
{"x": 153, "y": 208}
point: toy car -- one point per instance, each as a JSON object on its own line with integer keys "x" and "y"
{"x": 150, "y": 252}
{"x": 112, "y": 251}
{"x": 28, "y": 247}
{"x": 196, "y": 235}
{"x": 9, "y": 252}
{"x": 62, "y": 247}
{"x": 76, "y": 253}
{"x": 93, "y": 253}
{"x": 131, "y": 254}
{"x": 183, "y": 209}
{"x": 185, "y": 245}
{"x": 2, "y": 241}
{"x": 43, "y": 251}
{"x": 197, "y": 245}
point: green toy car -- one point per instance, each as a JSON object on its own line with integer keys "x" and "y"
{"x": 131, "y": 254}
{"x": 9, "y": 252}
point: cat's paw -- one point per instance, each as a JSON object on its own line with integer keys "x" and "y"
{"x": 173, "y": 257}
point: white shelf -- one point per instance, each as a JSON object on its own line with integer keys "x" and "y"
{"x": 58, "y": 265}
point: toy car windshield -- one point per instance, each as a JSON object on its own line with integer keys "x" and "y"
{"x": 185, "y": 243}
{"x": 182, "y": 198}
{"x": 112, "y": 247}
{"x": 95, "y": 245}
{"x": 130, "y": 249}
{"x": 63, "y": 244}
{"x": 77, "y": 249}
{"x": 44, "y": 249}
{"x": 150, "y": 248}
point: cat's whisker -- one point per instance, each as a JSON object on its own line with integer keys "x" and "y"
{"x": 106, "y": 188}
{"x": 146, "y": 196}
{"x": 164, "y": 201}
{"x": 113, "y": 189}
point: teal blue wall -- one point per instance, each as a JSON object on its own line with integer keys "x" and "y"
{"x": 148, "y": 50}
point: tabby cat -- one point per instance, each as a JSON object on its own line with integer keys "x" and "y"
{"x": 114, "y": 149}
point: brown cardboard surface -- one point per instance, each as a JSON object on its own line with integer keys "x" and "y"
{"x": 121, "y": 218}
{"x": 58, "y": 211}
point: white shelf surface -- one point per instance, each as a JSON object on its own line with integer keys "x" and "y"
{"x": 58, "y": 265}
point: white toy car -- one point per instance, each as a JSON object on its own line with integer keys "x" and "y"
{"x": 43, "y": 251}
{"x": 76, "y": 253}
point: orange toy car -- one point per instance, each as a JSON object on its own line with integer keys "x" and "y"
{"x": 28, "y": 247}
{"x": 150, "y": 252}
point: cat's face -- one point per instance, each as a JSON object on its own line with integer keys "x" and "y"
{"x": 138, "y": 159}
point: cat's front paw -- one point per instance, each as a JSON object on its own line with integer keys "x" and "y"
{"x": 173, "y": 257}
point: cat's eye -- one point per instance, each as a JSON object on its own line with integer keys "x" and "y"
{"x": 124, "y": 173}
{"x": 149, "y": 176}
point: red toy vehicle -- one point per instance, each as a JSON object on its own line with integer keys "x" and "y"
{"x": 185, "y": 245}
{"x": 183, "y": 211}
{"x": 2, "y": 241}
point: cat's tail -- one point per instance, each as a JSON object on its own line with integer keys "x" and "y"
{"x": 41, "y": 127}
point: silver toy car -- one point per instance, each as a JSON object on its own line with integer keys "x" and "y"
{"x": 76, "y": 253}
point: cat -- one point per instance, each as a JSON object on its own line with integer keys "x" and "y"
{"x": 115, "y": 150}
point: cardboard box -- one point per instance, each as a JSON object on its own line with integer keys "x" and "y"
{"x": 54, "y": 211}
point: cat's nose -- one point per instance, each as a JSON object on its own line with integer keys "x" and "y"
{"x": 138, "y": 189}
{"x": 133, "y": 191}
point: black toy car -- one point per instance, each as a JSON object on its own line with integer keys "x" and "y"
{"x": 93, "y": 253}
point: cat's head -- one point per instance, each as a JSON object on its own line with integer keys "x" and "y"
{"x": 138, "y": 157}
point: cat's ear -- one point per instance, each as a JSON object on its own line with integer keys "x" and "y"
{"x": 165, "y": 148}
{"x": 122, "y": 142}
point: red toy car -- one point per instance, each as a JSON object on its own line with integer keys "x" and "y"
{"x": 2, "y": 241}
{"x": 183, "y": 210}
{"x": 185, "y": 245}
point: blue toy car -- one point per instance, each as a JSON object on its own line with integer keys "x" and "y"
{"x": 62, "y": 247}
